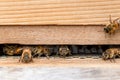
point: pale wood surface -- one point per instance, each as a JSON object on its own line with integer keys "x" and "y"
{"x": 57, "y": 35}
{"x": 59, "y": 69}
{"x": 30, "y": 12}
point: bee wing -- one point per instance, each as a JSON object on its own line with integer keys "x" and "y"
{"x": 117, "y": 20}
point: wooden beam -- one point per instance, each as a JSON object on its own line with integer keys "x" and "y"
{"x": 80, "y": 35}
{"x": 72, "y": 12}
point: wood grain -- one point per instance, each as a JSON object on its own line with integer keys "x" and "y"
{"x": 80, "y": 35}
{"x": 39, "y": 12}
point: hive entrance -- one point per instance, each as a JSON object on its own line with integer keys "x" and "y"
{"x": 77, "y": 51}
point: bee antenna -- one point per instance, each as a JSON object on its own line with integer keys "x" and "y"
{"x": 110, "y": 19}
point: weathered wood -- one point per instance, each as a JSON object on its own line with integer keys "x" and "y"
{"x": 57, "y": 35}
{"x": 30, "y": 12}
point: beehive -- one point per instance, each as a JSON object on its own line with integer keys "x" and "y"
{"x": 57, "y": 21}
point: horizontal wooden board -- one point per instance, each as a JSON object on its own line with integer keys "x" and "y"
{"x": 37, "y": 12}
{"x": 80, "y": 35}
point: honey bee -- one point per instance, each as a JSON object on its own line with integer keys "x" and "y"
{"x": 63, "y": 51}
{"x": 26, "y": 56}
{"x": 41, "y": 50}
{"x": 11, "y": 49}
{"x": 111, "y": 54}
{"x": 113, "y": 26}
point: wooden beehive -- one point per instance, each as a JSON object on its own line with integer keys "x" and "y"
{"x": 57, "y": 21}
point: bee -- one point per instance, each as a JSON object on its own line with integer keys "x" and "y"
{"x": 111, "y": 54}
{"x": 113, "y": 26}
{"x": 11, "y": 49}
{"x": 63, "y": 51}
{"x": 41, "y": 50}
{"x": 26, "y": 56}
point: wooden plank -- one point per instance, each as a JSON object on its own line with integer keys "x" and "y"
{"x": 80, "y": 35}
{"x": 30, "y": 12}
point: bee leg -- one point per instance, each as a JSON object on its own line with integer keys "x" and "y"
{"x": 114, "y": 33}
{"x": 60, "y": 56}
{"x": 35, "y": 54}
{"x": 64, "y": 56}
{"x": 20, "y": 59}
{"x": 70, "y": 53}
{"x": 110, "y": 34}
{"x": 118, "y": 55}
{"x": 47, "y": 56}
{"x": 105, "y": 35}
{"x": 56, "y": 54}
{"x": 39, "y": 55}
{"x": 32, "y": 59}
{"x": 110, "y": 60}
{"x": 114, "y": 58}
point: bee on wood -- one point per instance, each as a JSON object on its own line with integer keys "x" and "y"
{"x": 113, "y": 26}
{"x": 11, "y": 50}
{"x": 41, "y": 50}
{"x": 26, "y": 56}
{"x": 111, "y": 54}
{"x": 63, "y": 51}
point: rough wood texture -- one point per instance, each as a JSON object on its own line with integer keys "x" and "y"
{"x": 62, "y": 69}
{"x": 57, "y": 35}
{"x": 30, "y": 12}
